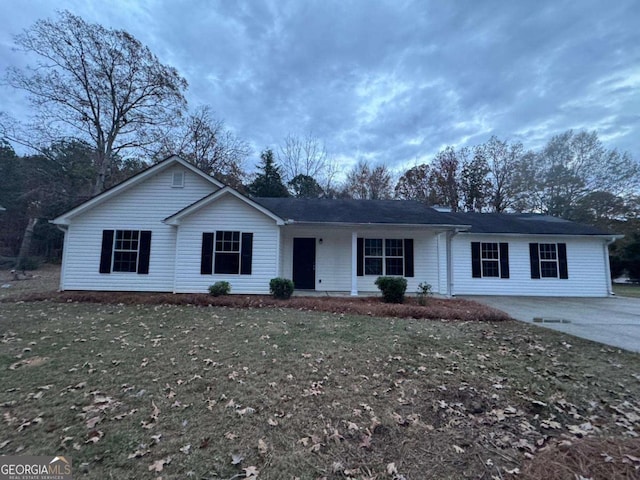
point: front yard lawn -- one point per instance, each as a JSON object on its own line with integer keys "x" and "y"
{"x": 170, "y": 391}
{"x": 626, "y": 289}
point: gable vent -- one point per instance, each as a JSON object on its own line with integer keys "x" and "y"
{"x": 177, "y": 180}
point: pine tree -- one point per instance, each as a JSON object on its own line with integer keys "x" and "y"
{"x": 269, "y": 182}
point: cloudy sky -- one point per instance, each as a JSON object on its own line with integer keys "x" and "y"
{"x": 388, "y": 81}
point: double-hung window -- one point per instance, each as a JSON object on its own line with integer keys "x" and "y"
{"x": 125, "y": 251}
{"x": 390, "y": 256}
{"x": 548, "y": 260}
{"x": 490, "y": 259}
{"x": 226, "y": 252}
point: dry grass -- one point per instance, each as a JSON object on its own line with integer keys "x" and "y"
{"x": 171, "y": 386}
{"x": 122, "y": 388}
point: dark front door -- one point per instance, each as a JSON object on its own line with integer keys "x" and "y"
{"x": 304, "y": 263}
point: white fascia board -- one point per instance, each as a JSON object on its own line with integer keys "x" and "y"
{"x": 431, "y": 226}
{"x": 65, "y": 218}
{"x": 566, "y": 235}
{"x": 176, "y": 218}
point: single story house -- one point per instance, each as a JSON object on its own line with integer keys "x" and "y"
{"x": 173, "y": 228}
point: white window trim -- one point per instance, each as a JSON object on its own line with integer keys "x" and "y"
{"x": 384, "y": 257}
{"x": 482, "y": 260}
{"x": 238, "y": 252}
{"x": 114, "y": 250}
{"x": 556, "y": 260}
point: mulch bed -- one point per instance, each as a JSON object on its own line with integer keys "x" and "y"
{"x": 436, "y": 308}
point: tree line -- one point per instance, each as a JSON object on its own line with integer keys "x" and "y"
{"x": 104, "y": 106}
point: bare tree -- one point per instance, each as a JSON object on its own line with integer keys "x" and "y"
{"x": 502, "y": 160}
{"x": 445, "y": 177}
{"x": 96, "y": 84}
{"x": 204, "y": 141}
{"x": 364, "y": 182}
{"x": 307, "y": 156}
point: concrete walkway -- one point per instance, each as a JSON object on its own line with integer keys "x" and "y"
{"x": 613, "y": 321}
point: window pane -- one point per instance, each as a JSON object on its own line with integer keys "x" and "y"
{"x": 548, "y": 251}
{"x": 394, "y": 266}
{"x": 227, "y": 263}
{"x": 393, "y": 248}
{"x": 373, "y": 266}
{"x": 490, "y": 268}
{"x": 125, "y": 261}
{"x": 489, "y": 251}
{"x": 549, "y": 269}
{"x": 227, "y": 241}
{"x": 373, "y": 247}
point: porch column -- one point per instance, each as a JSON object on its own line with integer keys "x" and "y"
{"x": 354, "y": 264}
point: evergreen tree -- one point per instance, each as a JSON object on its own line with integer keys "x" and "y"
{"x": 269, "y": 182}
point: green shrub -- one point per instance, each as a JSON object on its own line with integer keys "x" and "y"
{"x": 220, "y": 288}
{"x": 281, "y": 287}
{"x": 392, "y": 288}
{"x": 423, "y": 292}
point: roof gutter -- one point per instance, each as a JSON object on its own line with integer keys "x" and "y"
{"x": 459, "y": 227}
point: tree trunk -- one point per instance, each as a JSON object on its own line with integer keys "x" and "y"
{"x": 25, "y": 246}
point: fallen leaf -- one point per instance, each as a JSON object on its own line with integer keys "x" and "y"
{"x": 186, "y": 449}
{"x": 92, "y": 422}
{"x": 262, "y": 447}
{"x": 94, "y": 436}
{"x": 157, "y": 466}
{"x": 236, "y": 459}
{"x": 251, "y": 472}
{"x": 458, "y": 449}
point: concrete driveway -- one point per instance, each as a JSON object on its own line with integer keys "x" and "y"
{"x": 613, "y": 321}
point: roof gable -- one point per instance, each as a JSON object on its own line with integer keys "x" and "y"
{"x": 177, "y": 217}
{"x": 131, "y": 182}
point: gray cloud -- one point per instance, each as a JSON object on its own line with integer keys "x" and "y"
{"x": 391, "y": 81}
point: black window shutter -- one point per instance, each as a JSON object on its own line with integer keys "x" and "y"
{"x": 206, "y": 258}
{"x": 504, "y": 260}
{"x": 107, "y": 251}
{"x": 408, "y": 257}
{"x": 534, "y": 258}
{"x": 562, "y": 260}
{"x": 145, "y": 250}
{"x": 246, "y": 254}
{"x": 360, "y": 254}
{"x": 476, "y": 269}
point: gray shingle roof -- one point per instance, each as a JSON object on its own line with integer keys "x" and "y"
{"x": 524, "y": 223}
{"x": 399, "y": 212}
{"x": 408, "y": 212}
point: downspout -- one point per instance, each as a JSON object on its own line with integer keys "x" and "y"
{"x": 450, "y": 235}
{"x": 607, "y": 265}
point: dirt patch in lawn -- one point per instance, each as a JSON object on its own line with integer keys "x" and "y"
{"x": 44, "y": 280}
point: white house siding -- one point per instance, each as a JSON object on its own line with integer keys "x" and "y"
{"x": 227, "y": 213}
{"x": 142, "y": 207}
{"x": 585, "y": 262}
{"x": 333, "y": 256}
